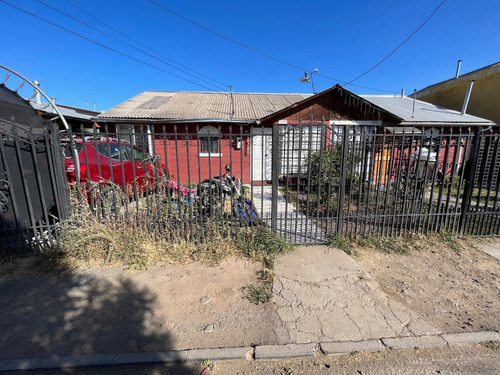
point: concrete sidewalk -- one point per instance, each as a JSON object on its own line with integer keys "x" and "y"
{"x": 292, "y": 224}
{"x": 323, "y": 295}
{"x": 322, "y": 300}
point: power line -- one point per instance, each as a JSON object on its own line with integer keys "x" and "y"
{"x": 145, "y": 46}
{"x": 104, "y": 46}
{"x": 258, "y": 51}
{"x": 354, "y": 84}
{"x": 226, "y": 37}
{"x": 127, "y": 44}
{"x": 399, "y": 46}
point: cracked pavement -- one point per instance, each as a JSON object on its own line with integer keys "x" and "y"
{"x": 321, "y": 294}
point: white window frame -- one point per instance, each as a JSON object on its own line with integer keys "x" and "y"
{"x": 210, "y": 132}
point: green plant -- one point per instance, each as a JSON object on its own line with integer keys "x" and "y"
{"x": 494, "y": 345}
{"x": 207, "y": 363}
{"x": 270, "y": 243}
{"x": 257, "y": 294}
{"x": 342, "y": 243}
{"x": 262, "y": 244}
{"x": 266, "y": 275}
{"x": 5, "y": 258}
{"x": 451, "y": 240}
{"x": 398, "y": 245}
{"x": 324, "y": 165}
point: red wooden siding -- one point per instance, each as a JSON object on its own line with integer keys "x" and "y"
{"x": 184, "y": 163}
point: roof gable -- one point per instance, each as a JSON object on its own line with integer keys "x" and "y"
{"x": 335, "y": 103}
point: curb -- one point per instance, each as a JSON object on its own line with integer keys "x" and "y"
{"x": 259, "y": 352}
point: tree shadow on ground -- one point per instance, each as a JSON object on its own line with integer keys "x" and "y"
{"x": 100, "y": 312}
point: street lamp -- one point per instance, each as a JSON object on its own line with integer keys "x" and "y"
{"x": 309, "y": 78}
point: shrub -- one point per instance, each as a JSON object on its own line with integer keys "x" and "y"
{"x": 322, "y": 165}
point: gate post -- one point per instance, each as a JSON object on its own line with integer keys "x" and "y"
{"x": 470, "y": 168}
{"x": 275, "y": 170}
{"x": 343, "y": 178}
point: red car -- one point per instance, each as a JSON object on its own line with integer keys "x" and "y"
{"x": 109, "y": 160}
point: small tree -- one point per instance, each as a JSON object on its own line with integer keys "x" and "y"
{"x": 326, "y": 164}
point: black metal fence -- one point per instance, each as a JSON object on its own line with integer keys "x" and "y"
{"x": 33, "y": 188}
{"x": 306, "y": 181}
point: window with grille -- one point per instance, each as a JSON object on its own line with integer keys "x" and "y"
{"x": 209, "y": 141}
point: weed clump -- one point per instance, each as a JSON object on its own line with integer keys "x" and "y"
{"x": 257, "y": 294}
{"x": 264, "y": 244}
{"x": 394, "y": 245}
{"x": 343, "y": 244}
{"x": 451, "y": 240}
{"x": 493, "y": 345}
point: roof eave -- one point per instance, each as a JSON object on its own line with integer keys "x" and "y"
{"x": 445, "y": 124}
{"x": 172, "y": 121}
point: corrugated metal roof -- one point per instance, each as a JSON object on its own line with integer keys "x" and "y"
{"x": 65, "y": 111}
{"x": 424, "y": 112}
{"x": 201, "y": 105}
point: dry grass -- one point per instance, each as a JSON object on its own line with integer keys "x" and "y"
{"x": 144, "y": 233}
{"x": 404, "y": 244}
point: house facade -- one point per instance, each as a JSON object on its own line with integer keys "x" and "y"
{"x": 197, "y": 134}
{"x": 319, "y": 121}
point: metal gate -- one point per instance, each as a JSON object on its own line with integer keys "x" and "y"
{"x": 306, "y": 176}
{"x": 361, "y": 180}
{"x": 482, "y": 215}
{"x": 33, "y": 190}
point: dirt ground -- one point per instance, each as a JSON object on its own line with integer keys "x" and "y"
{"x": 103, "y": 310}
{"x": 214, "y": 299}
{"x": 454, "y": 291}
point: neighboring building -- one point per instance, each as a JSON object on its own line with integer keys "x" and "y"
{"x": 210, "y": 130}
{"x": 77, "y": 118}
{"x": 484, "y": 97}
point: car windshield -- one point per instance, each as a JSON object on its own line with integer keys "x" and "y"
{"x": 121, "y": 152}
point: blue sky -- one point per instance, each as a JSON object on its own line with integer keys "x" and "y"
{"x": 342, "y": 39}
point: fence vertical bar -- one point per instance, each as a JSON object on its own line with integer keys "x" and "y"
{"x": 299, "y": 170}
{"x": 41, "y": 194}
{"x": 469, "y": 178}
{"x": 495, "y": 204}
{"x": 14, "y": 193}
{"x": 343, "y": 177}
{"x": 274, "y": 178}
{"x": 491, "y": 144}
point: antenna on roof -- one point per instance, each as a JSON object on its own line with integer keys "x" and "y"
{"x": 309, "y": 78}
{"x": 467, "y": 96}
{"x": 232, "y": 101}
{"x": 459, "y": 63}
{"x": 414, "y": 98}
